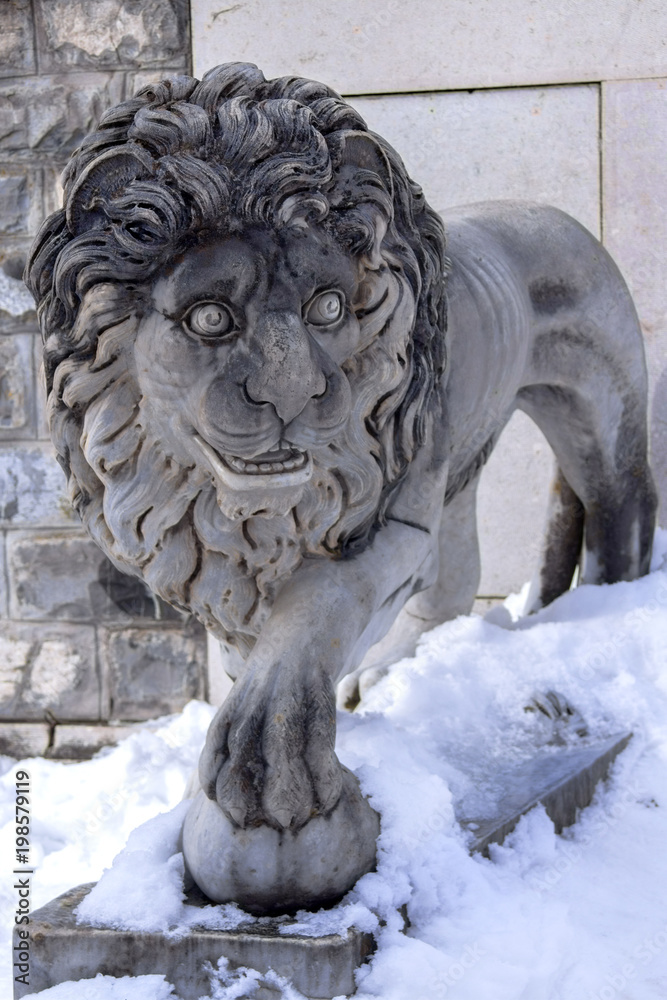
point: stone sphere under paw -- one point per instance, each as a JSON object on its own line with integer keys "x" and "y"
{"x": 267, "y": 871}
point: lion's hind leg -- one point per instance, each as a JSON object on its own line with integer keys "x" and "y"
{"x": 597, "y": 429}
{"x": 561, "y": 550}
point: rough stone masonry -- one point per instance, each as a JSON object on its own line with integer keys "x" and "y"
{"x": 84, "y": 650}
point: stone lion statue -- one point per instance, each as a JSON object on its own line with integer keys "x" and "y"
{"x": 273, "y": 383}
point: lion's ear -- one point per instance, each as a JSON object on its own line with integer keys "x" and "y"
{"x": 102, "y": 180}
{"x": 362, "y": 150}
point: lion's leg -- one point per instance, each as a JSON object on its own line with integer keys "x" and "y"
{"x": 270, "y": 755}
{"x": 452, "y": 594}
{"x": 598, "y": 433}
{"x": 561, "y": 550}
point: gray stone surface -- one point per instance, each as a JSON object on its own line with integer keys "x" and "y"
{"x": 483, "y": 605}
{"x": 365, "y": 47}
{"x": 24, "y": 739}
{"x": 562, "y": 779}
{"x": 41, "y": 420}
{"x": 81, "y": 742}
{"x": 63, "y": 950}
{"x": 539, "y": 144}
{"x": 4, "y": 582}
{"x": 143, "y": 78}
{"x": 17, "y": 306}
{"x": 635, "y": 227}
{"x": 17, "y": 388}
{"x": 153, "y": 671}
{"x": 114, "y": 33}
{"x": 21, "y": 204}
{"x": 50, "y": 114}
{"x": 48, "y": 668}
{"x": 55, "y": 576}
{"x": 64, "y": 575}
{"x": 32, "y": 488}
{"x": 17, "y": 50}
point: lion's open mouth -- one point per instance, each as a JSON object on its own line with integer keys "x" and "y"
{"x": 283, "y": 466}
{"x": 269, "y": 462}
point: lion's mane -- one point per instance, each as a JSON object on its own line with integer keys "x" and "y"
{"x": 178, "y": 161}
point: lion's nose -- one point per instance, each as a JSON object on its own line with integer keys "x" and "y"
{"x": 287, "y": 370}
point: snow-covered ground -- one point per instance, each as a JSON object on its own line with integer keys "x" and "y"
{"x": 581, "y": 916}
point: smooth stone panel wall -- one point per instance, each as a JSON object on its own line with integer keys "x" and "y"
{"x": 367, "y": 47}
{"x": 537, "y": 144}
{"x": 635, "y": 227}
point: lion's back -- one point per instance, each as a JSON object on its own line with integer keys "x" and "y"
{"x": 520, "y": 271}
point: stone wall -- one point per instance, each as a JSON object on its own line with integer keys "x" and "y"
{"x": 559, "y": 102}
{"x": 83, "y": 648}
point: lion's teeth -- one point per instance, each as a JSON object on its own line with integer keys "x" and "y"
{"x": 294, "y": 459}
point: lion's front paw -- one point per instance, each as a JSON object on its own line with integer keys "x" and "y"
{"x": 269, "y": 753}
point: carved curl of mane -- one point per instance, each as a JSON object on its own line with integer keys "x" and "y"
{"x": 177, "y": 162}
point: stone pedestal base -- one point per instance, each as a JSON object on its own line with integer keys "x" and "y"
{"x": 62, "y": 950}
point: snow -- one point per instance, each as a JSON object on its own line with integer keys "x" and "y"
{"x": 574, "y": 917}
{"x": 109, "y": 988}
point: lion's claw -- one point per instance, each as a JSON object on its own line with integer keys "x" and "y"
{"x": 269, "y": 754}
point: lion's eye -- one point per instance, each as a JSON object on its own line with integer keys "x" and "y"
{"x": 325, "y": 309}
{"x": 210, "y": 319}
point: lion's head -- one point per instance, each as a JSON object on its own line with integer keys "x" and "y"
{"x": 242, "y": 305}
